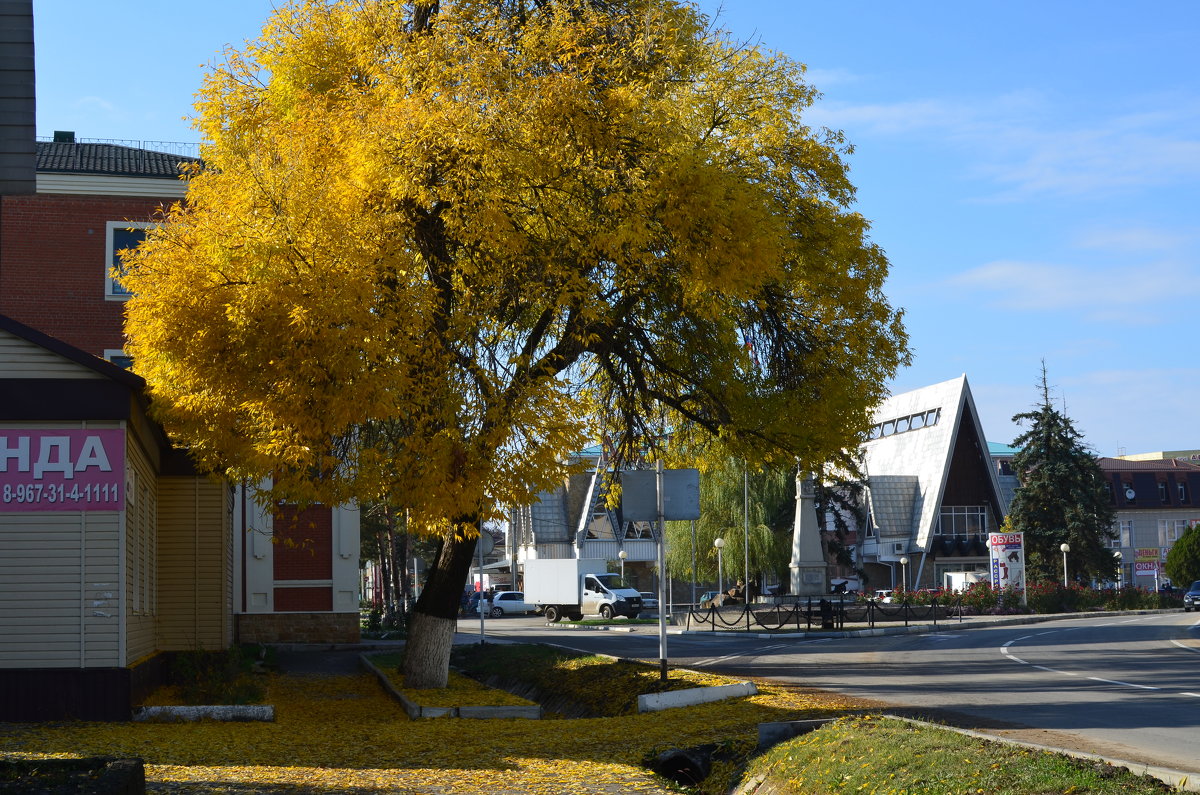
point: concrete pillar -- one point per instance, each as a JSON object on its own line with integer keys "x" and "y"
{"x": 808, "y": 556}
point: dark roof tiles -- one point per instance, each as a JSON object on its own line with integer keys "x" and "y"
{"x": 1159, "y": 465}
{"x": 111, "y": 159}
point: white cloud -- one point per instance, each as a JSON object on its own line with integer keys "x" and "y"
{"x": 95, "y": 104}
{"x": 1117, "y": 410}
{"x": 1137, "y": 240}
{"x": 1025, "y": 145}
{"x": 1123, "y": 293}
{"x": 822, "y": 79}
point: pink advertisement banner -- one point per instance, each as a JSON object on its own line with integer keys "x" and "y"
{"x": 62, "y": 470}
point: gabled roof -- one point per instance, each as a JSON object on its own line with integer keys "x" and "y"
{"x": 114, "y": 394}
{"x": 914, "y": 438}
{"x": 73, "y": 354}
{"x": 892, "y": 498}
{"x": 112, "y": 159}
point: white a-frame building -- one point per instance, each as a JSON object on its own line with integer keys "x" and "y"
{"x": 932, "y": 489}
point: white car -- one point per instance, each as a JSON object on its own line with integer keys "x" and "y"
{"x": 507, "y": 603}
{"x": 649, "y": 602}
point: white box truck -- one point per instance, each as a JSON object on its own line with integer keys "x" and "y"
{"x": 575, "y": 587}
{"x": 959, "y": 581}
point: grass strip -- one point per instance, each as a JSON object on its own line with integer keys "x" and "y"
{"x": 881, "y": 756}
{"x": 605, "y": 686}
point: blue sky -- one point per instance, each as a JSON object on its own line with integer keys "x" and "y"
{"x": 1031, "y": 169}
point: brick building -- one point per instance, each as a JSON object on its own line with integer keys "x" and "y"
{"x": 67, "y": 208}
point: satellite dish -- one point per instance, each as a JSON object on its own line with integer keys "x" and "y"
{"x": 1130, "y": 494}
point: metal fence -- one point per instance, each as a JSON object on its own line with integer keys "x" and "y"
{"x": 821, "y": 614}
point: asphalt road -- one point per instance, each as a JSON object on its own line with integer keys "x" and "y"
{"x": 1123, "y": 686}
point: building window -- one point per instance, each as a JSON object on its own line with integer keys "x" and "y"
{"x": 1183, "y": 493}
{"x": 1162, "y": 493}
{"x": 118, "y": 236}
{"x": 910, "y": 422}
{"x": 962, "y": 520}
{"x": 1170, "y": 531}
{"x": 119, "y": 358}
{"x": 1123, "y": 535}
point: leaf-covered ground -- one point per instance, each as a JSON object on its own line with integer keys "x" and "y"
{"x": 343, "y": 734}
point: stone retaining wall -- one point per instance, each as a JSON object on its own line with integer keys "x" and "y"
{"x": 298, "y": 628}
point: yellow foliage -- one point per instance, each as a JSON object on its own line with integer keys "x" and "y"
{"x": 423, "y": 264}
{"x": 343, "y": 734}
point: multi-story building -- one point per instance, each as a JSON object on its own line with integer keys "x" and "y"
{"x": 1155, "y": 500}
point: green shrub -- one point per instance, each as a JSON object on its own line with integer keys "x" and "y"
{"x": 218, "y": 677}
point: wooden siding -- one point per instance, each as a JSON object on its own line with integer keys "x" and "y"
{"x": 59, "y": 601}
{"x": 141, "y": 564}
{"x": 20, "y": 358}
{"x": 195, "y": 564}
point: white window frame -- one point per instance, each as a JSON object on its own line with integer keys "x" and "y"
{"x": 111, "y": 291}
{"x": 1169, "y": 531}
{"x": 959, "y": 514}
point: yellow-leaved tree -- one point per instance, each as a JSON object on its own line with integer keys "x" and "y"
{"x": 438, "y": 245}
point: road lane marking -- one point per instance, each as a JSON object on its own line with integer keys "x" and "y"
{"x": 756, "y": 652}
{"x": 1122, "y": 684}
{"x": 1193, "y": 695}
{"x": 1188, "y": 648}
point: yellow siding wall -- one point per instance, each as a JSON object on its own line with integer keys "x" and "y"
{"x": 59, "y": 594}
{"x": 195, "y": 564}
{"x": 141, "y": 565}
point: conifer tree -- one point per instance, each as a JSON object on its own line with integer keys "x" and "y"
{"x": 1061, "y": 498}
{"x": 1183, "y": 561}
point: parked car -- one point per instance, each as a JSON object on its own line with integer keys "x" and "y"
{"x": 1191, "y": 598}
{"x": 706, "y": 598}
{"x": 886, "y": 596}
{"x": 649, "y": 602}
{"x": 507, "y": 603}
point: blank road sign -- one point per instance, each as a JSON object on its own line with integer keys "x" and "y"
{"x": 681, "y": 495}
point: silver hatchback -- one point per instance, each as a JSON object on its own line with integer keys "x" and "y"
{"x": 508, "y": 603}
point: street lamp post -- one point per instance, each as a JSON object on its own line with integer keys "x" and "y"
{"x": 904, "y": 574}
{"x": 1065, "y": 549}
{"x": 1120, "y": 573}
{"x": 719, "y": 543}
{"x": 622, "y": 555}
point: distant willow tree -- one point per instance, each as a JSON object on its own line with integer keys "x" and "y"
{"x": 1061, "y": 497}
{"x": 737, "y": 504}
{"x": 438, "y": 246}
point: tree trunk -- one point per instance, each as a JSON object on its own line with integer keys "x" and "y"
{"x": 427, "y": 653}
{"x": 435, "y": 615}
{"x": 385, "y": 574}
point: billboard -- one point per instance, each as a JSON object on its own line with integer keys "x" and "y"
{"x": 1147, "y": 561}
{"x": 62, "y": 470}
{"x": 1008, "y": 559}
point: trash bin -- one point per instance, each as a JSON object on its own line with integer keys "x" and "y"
{"x": 826, "y": 608}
